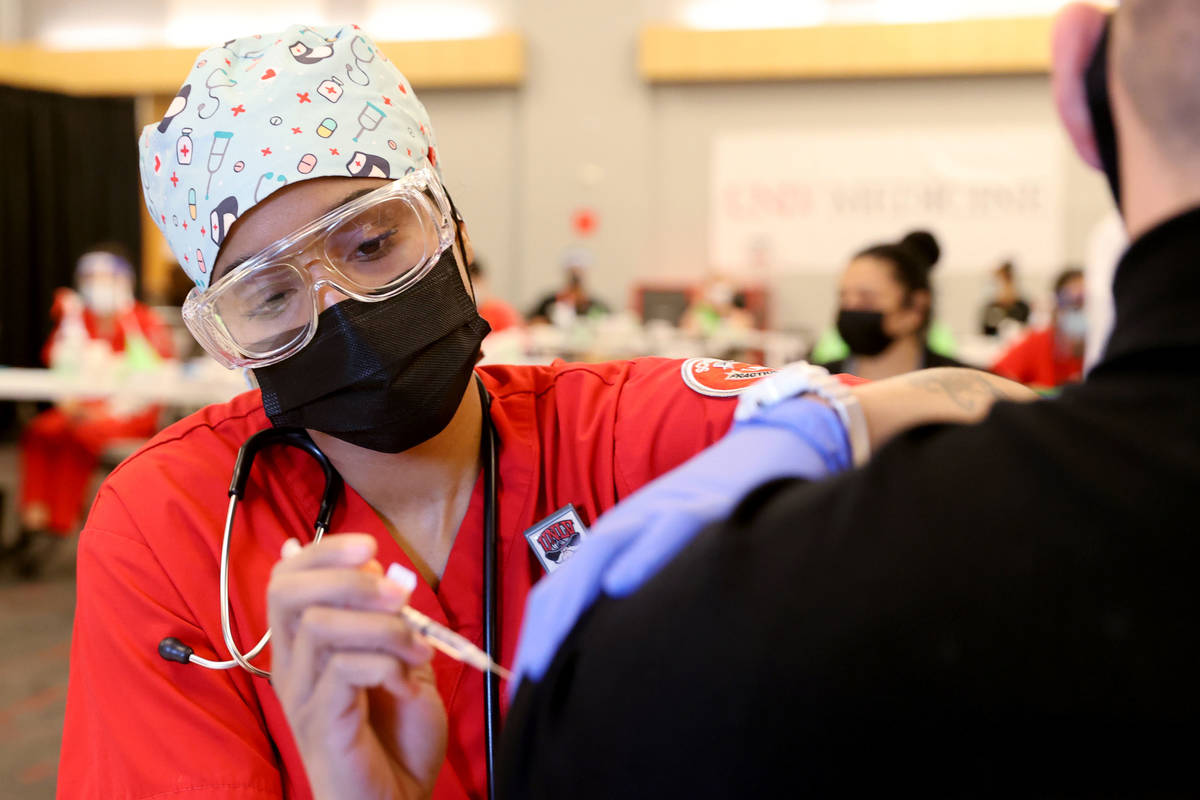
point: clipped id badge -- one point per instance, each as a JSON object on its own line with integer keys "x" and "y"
{"x": 555, "y": 538}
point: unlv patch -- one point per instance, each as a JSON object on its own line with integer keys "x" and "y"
{"x": 715, "y": 378}
{"x": 555, "y": 538}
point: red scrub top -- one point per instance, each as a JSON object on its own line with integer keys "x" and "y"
{"x": 1037, "y": 361}
{"x": 138, "y": 726}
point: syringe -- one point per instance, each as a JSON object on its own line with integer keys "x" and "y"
{"x": 369, "y": 119}
{"x": 439, "y": 636}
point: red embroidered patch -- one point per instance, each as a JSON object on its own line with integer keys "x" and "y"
{"x": 713, "y": 377}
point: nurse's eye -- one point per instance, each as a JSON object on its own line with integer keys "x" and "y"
{"x": 272, "y": 304}
{"x": 375, "y": 247}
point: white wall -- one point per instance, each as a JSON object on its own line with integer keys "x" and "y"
{"x": 479, "y": 153}
{"x": 584, "y": 129}
{"x": 687, "y": 118}
{"x": 583, "y": 106}
{"x": 12, "y": 20}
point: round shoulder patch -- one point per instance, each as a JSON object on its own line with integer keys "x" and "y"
{"x": 716, "y": 378}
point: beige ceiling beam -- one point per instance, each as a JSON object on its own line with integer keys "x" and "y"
{"x": 491, "y": 61}
{"x": 967, "y": 47}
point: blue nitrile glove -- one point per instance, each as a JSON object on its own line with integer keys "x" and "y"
{"x": 800, "y": 438}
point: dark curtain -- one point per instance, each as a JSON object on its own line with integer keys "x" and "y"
{"x": 68, "y": 180}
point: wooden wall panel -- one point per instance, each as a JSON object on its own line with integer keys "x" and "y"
{"x": 492, "y": 61}
{"x": 971, "y": 47}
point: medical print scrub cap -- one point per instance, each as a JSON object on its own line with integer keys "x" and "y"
{"x": 264, "y": 111}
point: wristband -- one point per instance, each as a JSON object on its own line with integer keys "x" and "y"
{"x": 799, "y": 379}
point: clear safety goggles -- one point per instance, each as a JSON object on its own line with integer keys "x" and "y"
{"x": 370, "y": 249}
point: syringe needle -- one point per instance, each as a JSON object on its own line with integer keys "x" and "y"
{"x": 452, "y": 644}
{"x": 440, "y": 637}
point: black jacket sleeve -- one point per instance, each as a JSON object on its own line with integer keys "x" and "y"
{"x": 957, "y": 618}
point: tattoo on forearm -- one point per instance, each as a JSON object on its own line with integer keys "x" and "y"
{"x": 967, "y": 389}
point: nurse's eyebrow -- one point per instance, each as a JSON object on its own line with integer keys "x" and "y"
{"x": 237, "y": 262}
{"x": 225, "y": 270}
{"x": 351, "y": 197}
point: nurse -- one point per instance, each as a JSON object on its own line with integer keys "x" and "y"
{"x": 347, "y": 297}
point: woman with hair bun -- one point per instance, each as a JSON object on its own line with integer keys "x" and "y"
{"x": 885, "y": 306}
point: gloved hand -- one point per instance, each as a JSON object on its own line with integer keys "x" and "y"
{"x": 801, "y": 438}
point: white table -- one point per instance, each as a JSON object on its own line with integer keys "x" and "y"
{"x": 183, "y": 385}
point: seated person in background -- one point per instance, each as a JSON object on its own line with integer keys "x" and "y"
{"x": 1007, "y": 304}
{"x": 61, "y": 446}
{"x": 885, "y": 307}
{"x": 1052, "y": 356}
{"x": 498, "y": 313}
{"x": 717, "y": 304}
{"x": 564, "y": 306}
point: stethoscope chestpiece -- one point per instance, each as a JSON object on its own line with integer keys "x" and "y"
{"x": 172, "y": 649}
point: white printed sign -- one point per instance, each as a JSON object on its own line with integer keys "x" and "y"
{"x": 808, "y": 200}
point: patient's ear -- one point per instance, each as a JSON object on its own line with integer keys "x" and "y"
{"x": 1077, "y": 31}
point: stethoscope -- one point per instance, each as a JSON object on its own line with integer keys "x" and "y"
{"x": 359, "y": 60}
{"x": 172, "y": 649}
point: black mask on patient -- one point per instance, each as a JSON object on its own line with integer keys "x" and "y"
{"x": 386, "y": 376}
{"x": 1100, "y": 106}
{"x": 863, "y": 332}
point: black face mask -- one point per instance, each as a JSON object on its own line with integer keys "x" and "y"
{"x": 386, "y": 376}
{"x": 1100, "y": 106}
{"x": 863, "y": 332}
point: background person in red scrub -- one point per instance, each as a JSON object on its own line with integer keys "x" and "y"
{"x": 1052, "y": 356}
{"x": 344, "y": 287}
{"x": 498, "y": 312}
{"x": 101, "y": 327}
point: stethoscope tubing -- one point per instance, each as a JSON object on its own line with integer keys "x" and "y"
{"x": 491, "y": 685}
{"x": 333, "y": 485}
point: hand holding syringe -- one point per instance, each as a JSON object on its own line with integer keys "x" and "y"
{"x": 437, "y": 636}
{"x": 350, "y": 672}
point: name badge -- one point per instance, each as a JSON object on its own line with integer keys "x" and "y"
{"x": 555, "y": 538}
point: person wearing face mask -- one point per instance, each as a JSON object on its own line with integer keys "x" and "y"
{"x": 999, "y": 609}
{"x": 99, "y": 326}
{"x": 1048, "y": 358}
{"x": 885, "y": 307}
{"x": 343, "y": 287}
{"x": 329, "y": 259}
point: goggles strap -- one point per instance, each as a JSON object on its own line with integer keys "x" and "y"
{"x": 462, "y": 247}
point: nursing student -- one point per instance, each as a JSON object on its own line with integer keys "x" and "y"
{"x": 298, "y": 182}
{"x": 103, "y": 327}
